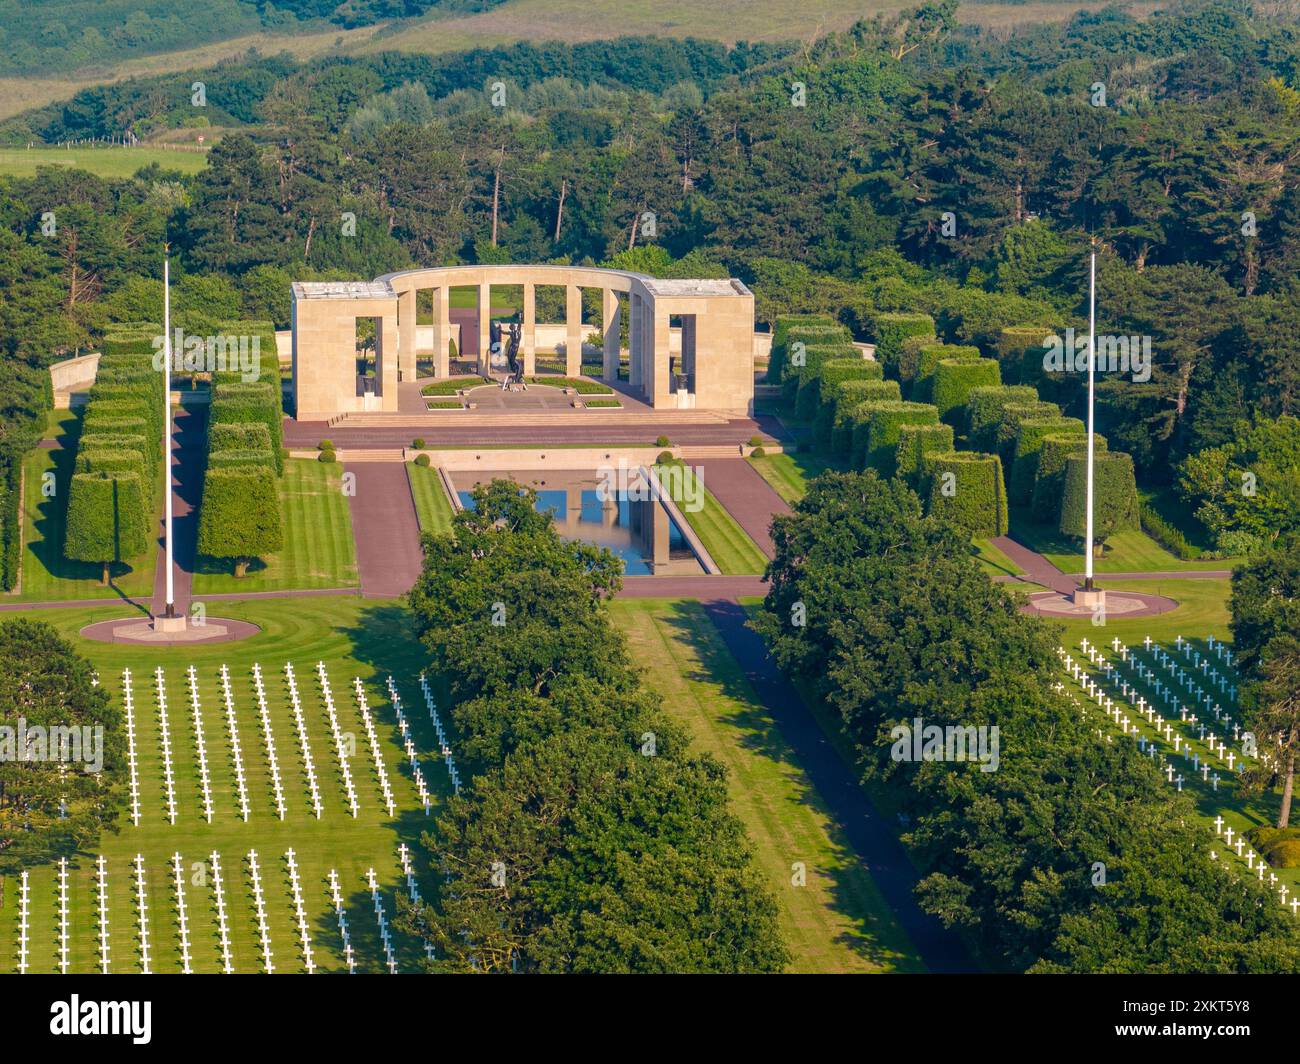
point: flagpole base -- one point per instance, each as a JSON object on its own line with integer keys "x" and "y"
{"x": 1089, "y": 598}
{"x": 168, "y": 624}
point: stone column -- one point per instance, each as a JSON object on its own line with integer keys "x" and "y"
{"x": 610, "y": 326}
{"x": 441, "y": 331}
{"x": 387, "y": 345}
{"x": 406, "y": 321}
{"x": 661, "y": 336}
{"x": 634, "y": 341}
{"x": 484, "y": 327}
{"x": 528, "y": 339}
{"x": 573, "y": 331}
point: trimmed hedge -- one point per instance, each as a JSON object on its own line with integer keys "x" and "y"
{"x": 239, "y": 517}
{"x": 909, "y": 357}
{"x": 929, "y": 358}
{"x": 800, "y": 384}
{"x": 113, "y": 462}
{"x": 1009, "y": 425}
{"x": 106, "y": 518}
{"x": 984, "y": 408}
{"x": 818, "y": 394}
{"x": 10, "y": 507}
{"x": 852, "y": 394}
{"x": 1049, "y": 481}
{"x": 893, "y": 329}
{"x": 239, "y": 436}
{"x": 150, "y": 432}
{"x": 1115, "y": 507}
{"x": 241, "y": 458}
{"x": 973, "y": 496}
{"x": 917, "y": 441}
{"x": 812, "y": 335}
{"x": 954, "y": 379}
{"x": 1014, "y": 344}
{"x": 243, "y": 403}
{"x": 1029, "y": 441}
{"x": 875, "y": 440}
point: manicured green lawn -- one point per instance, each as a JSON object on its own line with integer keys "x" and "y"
{"x": 838, "y": 922}
{"x": 1126, "y": 552}
{"x": 993, "y": 561}
{"x": 110, "y": 162}
{"x": 733, "y": 550}
{"x": 432, "y": 506}
{"x": 319, "y": 551}
{"x": 1202, "y": 611}
{"x": 354, "y": 638}
{"x": 789, "y": 473}
{"x": 47, "y": 576}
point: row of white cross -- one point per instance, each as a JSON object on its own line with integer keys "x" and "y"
{"x": 259, "y": 906}
{"x": 339, "y": 745}
{"x": 236, "y": 754}
{"x": 200, "y": 745}
{"x": 142, "y": 913}
{"x": 412, "y": 887}
{"x": 444, "y": 746}
{"x": 1255, "y": 863}
{"x": 336, "y": 897}
{"x": 128, "y": 702}
{"x": 369, "y": 724}
{"x": 300, "y": 913}
{"x": 385, "y": 936}
{"x": 182, "y": 916}
{"x": 268, "y": 737}
{"x": 24, "y": 911}
{"x": 165, "y": 740}
{"x": 63, "y": 915}
{"x": 408, "y": 744}
{"x": 309, "y": 765}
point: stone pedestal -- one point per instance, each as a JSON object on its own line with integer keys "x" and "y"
{"x": 169, "y": 624}
{"x": 1090, "y": 600}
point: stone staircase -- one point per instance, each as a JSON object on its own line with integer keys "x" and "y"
{"x": 478, "y": 419}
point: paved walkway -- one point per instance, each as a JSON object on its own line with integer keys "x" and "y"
{"x": 1037, "y": 569}
{"x": 386, "y": 529}
{"x": 869, "y": 834}
{"x": 749, "y": 498}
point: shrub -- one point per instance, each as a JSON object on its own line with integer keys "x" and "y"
{"x": 909, "y": 358}
{"x": 239, "y": 516}
{"x": 1285, "y": 853}
{"x": 893, "y": 329}
{"x": 917, "y": 441}
{"x": 663, "y": 441}
{"x": 967, "y": 488}
{"x": 150, "y": 433}
{"x": 106, "y": 520}
{"x": 984, "y": 408}
{"x": 1029, "y": 442}
{"x": 327, "y": 457}
{"x": 422, "y": 460}
{"x": 756, "y": 441}
{"x": 851, "y": 395}
{"x": 809, "y": 336}
{"x": 799, "y": 379}
{"x": 1050, "y": 477}
{"x": 758, "y": 452}
{"x": 113, "y": 462}
{"x": 417, "y": 444}
{"x": 1014, "y": 343}
{"x": 1115, "y": 507}
{"x": 884, "y": 419}
{"x": 1166, "y": 534}
{"x": 953, "y": 379}
{"x": 928, "y": 360}
{"x": 242, "y": 458}
{"x": 664, "y": 457}
{"x": 818, "y": 392}
{"x": 235, "y": 436}
{"x": 242, "y": 403}
{"x": 1009, "y": 424}
{"x": 325, "y": 445}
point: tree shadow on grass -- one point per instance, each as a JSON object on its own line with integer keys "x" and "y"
{"x": 758, "y": 732}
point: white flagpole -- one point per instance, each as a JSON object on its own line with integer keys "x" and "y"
{"x": 167, "y": 429}
{"x": 1092, "y": 363}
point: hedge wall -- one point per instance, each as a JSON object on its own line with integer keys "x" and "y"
{"x": 149, "y": 431}
{"x": 1115, "y": 506}
{"x": 879, "y": 433}
{"x": 1014, "y": 342}
{"x": 113, "y": 462}
{"x": 909, "y": 358}
{"x": 1009, "y": 425}
{"x": 800, "y": 384}
{"x": 954, "y": 378}
{"x": 780, "y": 335}
{"x": 984, "y": 408}
{"x": 237, "y": 436}
{"x": 847, "y": 409}
{"x": 239, "y": 516}
{"x": 893, "y": 329}
{"x": 808, "y": 335}
{"x": 1045, "y": 503}
{"x": 974, "y": 496}
{"x": 1029, "y": 441}
{"x": 10, "y": 506}
{"x": 243, "y": 403}
{"x": 106, "y": 518}
{"x": 834, "y": 375}
{"x": 230, "y": 459}
{"x": 929, "y": 358}
{"x": 917, "y": 441}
